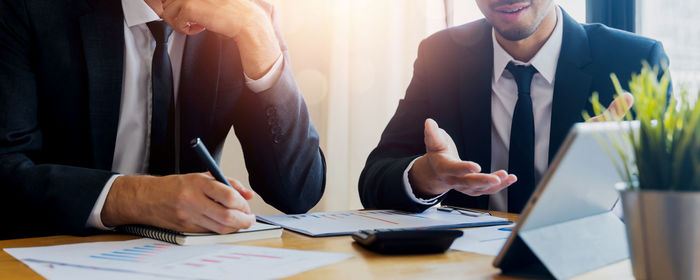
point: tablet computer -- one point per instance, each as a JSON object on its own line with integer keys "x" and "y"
{"x": 568, "y": 225}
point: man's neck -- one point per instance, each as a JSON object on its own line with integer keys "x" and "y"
{"x": 525, "y": 49}
{"x": 156, "y": 5}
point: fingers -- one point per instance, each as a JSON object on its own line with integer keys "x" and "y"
{"x": 501, "y": 174}
{"x": 226, "y": 196}
{"x": 621, "y": 105}
{"x": 482, "y": 184}
{"x": 182, "y": 16}
{"x": 481, "y": 179}
{"x": 596, "y": 119}
{"x": 476, "y": 181}
{"x": 435, "y": 137}
{"x": 170, "y": 12}
{"x": 444, "y": 166}
{"x": 617, "y": 109}
{"x": 211, "y": 225}
{"x": 247, "y": 193}
{"x": 506, "y": 182}
{"x": 236, "y": 220}
{"x": 220, "y": 219}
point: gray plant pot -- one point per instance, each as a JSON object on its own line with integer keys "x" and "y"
{"x": 663, "y": 232}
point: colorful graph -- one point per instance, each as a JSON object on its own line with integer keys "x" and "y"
{"x": 225, "y": 258}
{"x": 383, "y": 216}
{"x": 154, "y": 260}
{"x": 341, "y": 215}
{"x": 137, "y": 254}
{"x": 159, "y": 252}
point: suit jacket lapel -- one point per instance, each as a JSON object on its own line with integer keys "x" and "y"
{"x": 199, "y": 81}
{"x": 102, "y": 31}
{"x": 572, "y": 86}
{"x": 475, "y": 101}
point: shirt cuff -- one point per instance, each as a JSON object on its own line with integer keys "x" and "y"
{"x": 409, "y": 190}
{"x": 95, "y": 219}
{"x": 268, "y": 80}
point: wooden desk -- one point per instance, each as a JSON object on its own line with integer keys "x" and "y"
{"x": 365, "y": 264}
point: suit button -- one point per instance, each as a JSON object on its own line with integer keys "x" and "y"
{"x": 270, "y": 111}
{"x": 276, "y": 140}
{"x": 275, "y": 130}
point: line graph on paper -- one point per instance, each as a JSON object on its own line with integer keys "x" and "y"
{"x": 383, "y": 216}
{"x": 347, "y": 222}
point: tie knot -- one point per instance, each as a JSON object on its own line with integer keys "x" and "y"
{"x": 522, "y": 75}
{"x": 160, "y": 30}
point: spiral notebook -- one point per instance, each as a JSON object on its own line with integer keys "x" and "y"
{"x": 255, "y": 232}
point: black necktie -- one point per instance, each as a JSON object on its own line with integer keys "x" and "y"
{"x": 162, "y": 151}
{"x": 521, "y": 153}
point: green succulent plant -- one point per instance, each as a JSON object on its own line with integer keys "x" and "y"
{"x": 665, "y": 152}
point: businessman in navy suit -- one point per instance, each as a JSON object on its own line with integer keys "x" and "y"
{"x": 100, "y": 98}
{"x": 505, "y": 90}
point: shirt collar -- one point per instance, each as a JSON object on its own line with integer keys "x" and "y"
{"x": 138, "y": 12}
{"x": 545, "y": 60}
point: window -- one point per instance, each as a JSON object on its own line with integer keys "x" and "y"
{"x": 676, "y": 24}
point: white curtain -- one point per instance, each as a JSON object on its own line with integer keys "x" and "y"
{"x": 353, "y": 60}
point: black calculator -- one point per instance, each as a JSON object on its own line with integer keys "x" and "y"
{"x": 406, "y": 241}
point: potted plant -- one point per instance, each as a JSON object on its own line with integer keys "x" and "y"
{"x": 661, "y": 177}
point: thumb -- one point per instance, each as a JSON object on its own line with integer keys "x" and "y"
{"x": 434, "y": 138}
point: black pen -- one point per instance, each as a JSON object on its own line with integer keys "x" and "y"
{"x": 207, "y": 160}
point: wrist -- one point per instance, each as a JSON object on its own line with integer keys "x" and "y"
{"x": 424, "y": 182}
{"x": 254, "y": 25}
{"x": 258, "y": 46}
{"x": 121, "y": 205}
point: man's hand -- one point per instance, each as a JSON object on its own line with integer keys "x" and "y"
{"x": 226, "y": 17}
{"x": 243, "y": 20}
{"x": 617, "y": 109}
{"x": 441, "y": 169}
{"x": 187, "y": 203}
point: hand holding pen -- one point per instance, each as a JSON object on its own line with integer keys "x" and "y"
{"x": 182, "y": 202}
{"x": 208, "y": 161}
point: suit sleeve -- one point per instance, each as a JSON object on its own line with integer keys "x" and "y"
{"x": 381, "y": 182}
{"x": 37, "y": 197}
{"x": 657, "y": 57}
{"x": 280, "y": 144}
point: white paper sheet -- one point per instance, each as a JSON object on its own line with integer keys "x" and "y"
{"x": 484, "y": 240}
{"x": 343, "y": 223}
{"x": 151, "y": 259}
{"x": 55, "y": 271}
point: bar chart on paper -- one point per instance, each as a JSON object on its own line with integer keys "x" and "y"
{"x": 137, "y": 254}
{"x": 347, "y": 222}
{"x": 147, "y": 257}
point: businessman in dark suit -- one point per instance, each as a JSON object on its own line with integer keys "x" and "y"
{"x": 505, "y": 90}
{"x": 100, "y": 98}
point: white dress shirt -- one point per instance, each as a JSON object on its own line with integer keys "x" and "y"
{"x": 131, "y": 150}
{"x": 503, "y": 98}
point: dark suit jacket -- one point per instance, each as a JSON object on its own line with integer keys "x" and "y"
{"x": 452, "y": 84}
{"x": 61, "y": 65}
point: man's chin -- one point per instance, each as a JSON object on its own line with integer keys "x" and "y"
{"x": 515, "y": 34}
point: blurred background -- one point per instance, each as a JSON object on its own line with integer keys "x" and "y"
{"x": 353, "y": 60}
